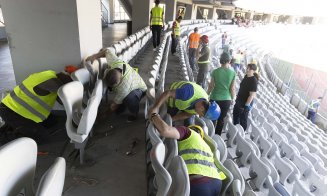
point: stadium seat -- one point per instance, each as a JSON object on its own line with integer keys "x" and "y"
{"x": 71, "y": 96}
{"x": 18, "y": 162}
{"x": 52, "y": 181}
{"x": 287, "y": 150}
{"x": 153, "y": 134}
{"x": 162, "y": 177}
{"x": 221, "y": 147}
{"x": 259, "y": 172}
{"x": 300, "y": 190}
{"x": 210, "y": 126}
{"x": 180, "y": 185}
{"x": 243, "y": 151}
{"x": 238, "y": 184}
{"x": 264, "y": 146}
{"x": 172, "y": 150}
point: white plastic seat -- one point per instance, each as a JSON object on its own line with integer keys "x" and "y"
{"x": 238, "y": 184}
{"x": 300, "y": 190}
{"x": 71, "y": 95}
{"x": 180, "y": 185}
{"x": 221, "y": 147}
{"x": 18, "y": 162}
{"x": 210, "y": 126}
{"x": 243, "y": 151}
{"x": 52, "y": 181}
{"x": 259, "y": 172}
{"x": 82, "y": 75}
{"x": 153, "y": 134}
{"x": 172, "y": 150}
{"x": 162, "y": 177}
{"x": 287, "y": 150}
{"x": 231, "y": 135}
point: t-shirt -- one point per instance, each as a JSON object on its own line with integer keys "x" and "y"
{"x": 248, "y": 84}
{"x": 223, "y": 78}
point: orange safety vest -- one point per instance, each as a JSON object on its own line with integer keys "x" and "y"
{"x": 194, "y": 40}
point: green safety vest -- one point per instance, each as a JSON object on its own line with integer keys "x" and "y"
{"x": 313, "y": 105}
{"x": 25, "y": 102}
{"x": 199, "y": 93}
{"x": 198, "y": 157}
{"x": 177, "y": 29}
{"x": 156, "y": 16}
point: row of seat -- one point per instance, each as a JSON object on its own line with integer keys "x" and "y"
{"x": 18, "y": 162}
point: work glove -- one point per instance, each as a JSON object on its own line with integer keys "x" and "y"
{"x": 248, "y": 107}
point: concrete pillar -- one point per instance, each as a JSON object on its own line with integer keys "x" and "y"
{"x": 170, "y": 10}
{"x": 194, "y": 11}
{"x": 291, "y": 20}
{"x": 270, "y": 18}
{"x": 111, "y": 11}
{"x": 189, "y": 11}
{"x": 215, "y": 14}
{"x": 210, "y": 14}
{"x": 48, "y": 34}
{"x": 230, "y": 14}
{"x": 141, "y": 14}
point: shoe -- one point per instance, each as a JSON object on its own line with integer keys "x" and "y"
{"x": 131, "y": 118}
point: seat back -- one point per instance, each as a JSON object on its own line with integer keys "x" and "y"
{"x": 172, "y": 150}
{"x": 153, "y": 134}
{"x": 221, "y": 146}
{"x": 300, "y": 190}
{"x": 82, "y": 75}
{"x": 231, "y": 135}
{"x": 180, "y": 179}
{"x": 244, "y": 150}
{"x": 211, "y": 127}
{"x": 18, "y": 160}
{"x": 162, "y": 177}
{"x": 71, "y": 95}
{"x": 233, "y": 168}
{"x": 259, "y": 171}
{"x": 52, "y": 181}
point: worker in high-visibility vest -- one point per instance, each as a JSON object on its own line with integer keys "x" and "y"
{"x": 185, "y": 99}
{"x": 204, "y": 175}
{"x": 203, "y": 60}
{"x": 156, "y": 23}
{"x": 176, "y": 32}
{"x": 313, "y": 109}
{"x": 27, "y": 109}
{"x": 193, "y": 44}
{"x": 127, "y": 85}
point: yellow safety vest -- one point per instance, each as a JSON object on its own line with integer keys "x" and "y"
{"x": 199, "y": 93}
{"x": 156, "y": 16}
{"x": 177, "y": 30}
{"x": 25, "y": 102}
{"x": 198, "y": 157}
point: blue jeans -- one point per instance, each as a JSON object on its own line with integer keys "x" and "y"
{"x": 210, "y": 188}
{"x": 240, "y": 115}
{"x": 132, "y": 102}
{"x": 312, "y": 116}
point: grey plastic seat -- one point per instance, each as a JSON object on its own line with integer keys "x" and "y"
{"x": 243, "y": 151}
{"x": 153, "y": 134}
{"x": 273, "y": 171}
{"x": 231, "y": 135}
{"x": 210, "y": 126}
{"x": 238, "y": 184}
{"x": 172, "y": 150}
{"x": 221, "y": 146}
{"x": 287, "y": 150}
{"x": 259, "y": 172}
{"x": 300, "y": 190}
{"x": 52, "y": 181}
{"x": 283, "y": 168}
{"x": 264, "y": 146}
{"x": 162, "y": 177}
{"x": 180, "y": 185}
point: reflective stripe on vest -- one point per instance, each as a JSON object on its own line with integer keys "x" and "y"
{"x": 208, "y": 60}
{"x": 199, "y": 93}
{"x": 194, "y": 40}
{"x": 312, "y": 104}
{"x": 198, "y": 157}
{"x": 177, "y": 30}
{"x": 156, "y": 16}
{"x": 25, "y": 102}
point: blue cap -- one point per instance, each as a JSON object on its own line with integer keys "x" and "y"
{"x": 213, "y": 112}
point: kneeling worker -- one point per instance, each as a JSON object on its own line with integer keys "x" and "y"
{"x": 125, "y": 82}
{"x": 185, "y": 99}
{"x": 205, "y": 177}
{"x": 27, "y": 108}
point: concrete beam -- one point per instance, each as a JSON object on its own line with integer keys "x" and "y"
{"x": 141, "y": 14}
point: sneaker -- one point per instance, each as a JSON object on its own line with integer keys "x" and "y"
{"x": 131, "y": 118}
